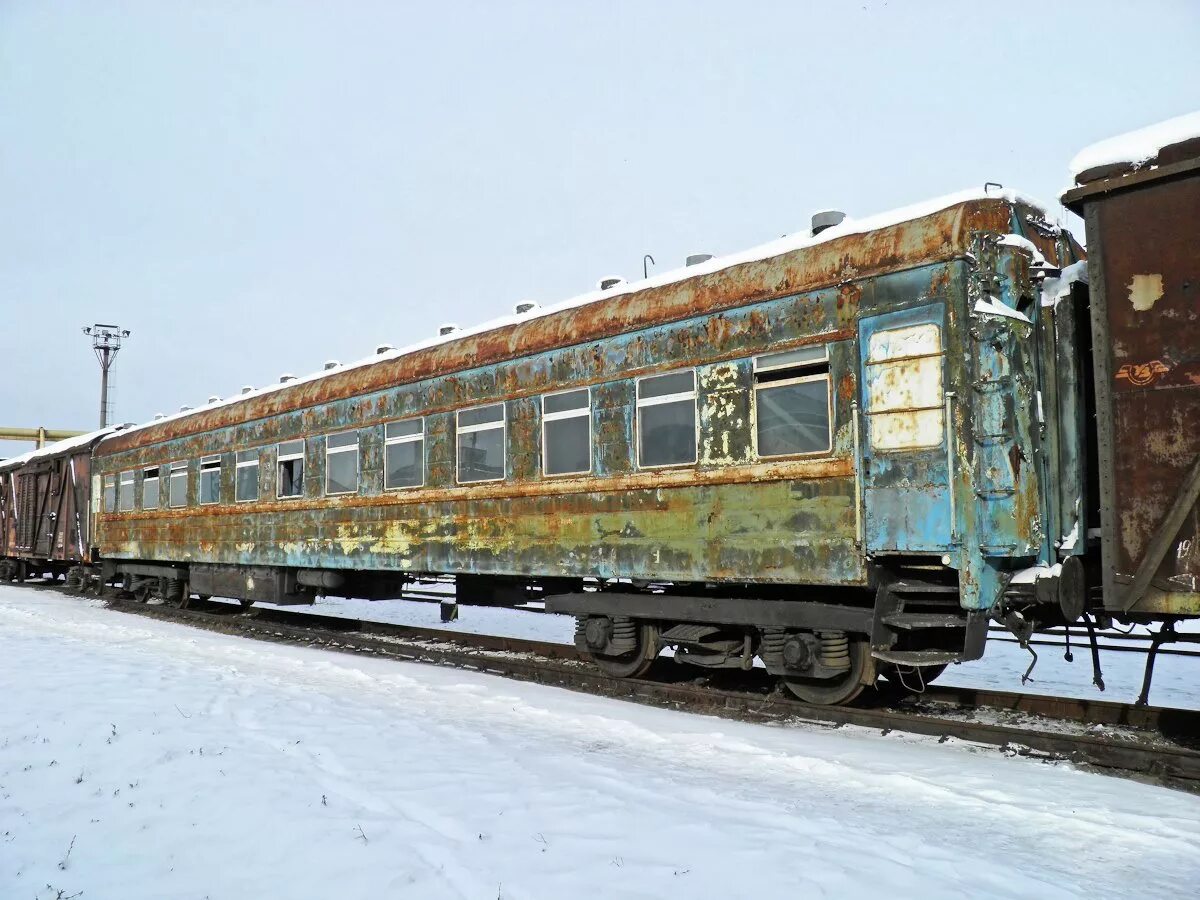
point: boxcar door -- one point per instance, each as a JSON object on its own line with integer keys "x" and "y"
{"x": 43, "y": 544}
{"x": 903, "y": 466}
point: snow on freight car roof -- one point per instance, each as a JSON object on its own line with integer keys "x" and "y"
{"x": 1136, "y": 148}
{"x": 80, "y": 440}
{"x": 786, "y": 244}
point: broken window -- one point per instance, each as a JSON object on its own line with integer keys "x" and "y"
{"x": 150, "y": 488}
{"x": 291, "y": 469}
{"x": 210, "y": 479}
{"x": 666, "y": 419}
{"x": 792, "y": 402}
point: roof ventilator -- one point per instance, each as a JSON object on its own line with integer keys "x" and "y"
{"x": 247, "y": 389}
{"x": 826, "y": 218}
{"x": 286, "y": 377}
{"x": 696, "y": 258}
{"x": 608, "y": 282}
{"x": 524, "y": 306}
{"x": 448, "y": 328}
{"x": 331, "y": 364}
{"x": 381, "y": 349}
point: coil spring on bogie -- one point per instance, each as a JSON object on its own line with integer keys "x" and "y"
{"x": 835, "y": 649}
{"x": 771, "y": 646}
{"x": 624, "y": 635}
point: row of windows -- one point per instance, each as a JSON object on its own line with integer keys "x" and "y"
{"x": 792, "y": 412}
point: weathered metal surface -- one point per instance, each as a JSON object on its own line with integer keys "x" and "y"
{"x": 731, "y": 517}
{"x": 844, "y": 261}
{"x": 44, "y": 508}
{"x": 1144, "y": 271}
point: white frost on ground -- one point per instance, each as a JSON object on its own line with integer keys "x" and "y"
{"x": 184, "y": 764}
{"x": 1175, "y": 677}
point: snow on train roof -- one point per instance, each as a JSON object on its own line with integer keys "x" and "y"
{"x": 1136, "y": 147}
{"x": 786, "y": 244}
{"x": 80, "y": 440}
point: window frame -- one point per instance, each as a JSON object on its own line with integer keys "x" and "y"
{"x": 121, "y": 484}
{"x": 410, "y": 439}
{"x": 460, "y": 430}
{"x": 157, "y": 479}
{"x": 180, "y": 468}
{"x": 678, "y": 397}
{"x": 870, "y": 412}
{"x": 281, "y": 458}
{"x": 239, "y": 464}
{"x": 208, "y": 463}
{"x": 577, "y": 413}
{"x": 105, "y": 482}
{"x": 331, "y": 451}
{"x": 827, "y": 376}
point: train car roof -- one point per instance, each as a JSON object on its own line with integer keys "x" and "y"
{"x": 306, "y": 388}
{"x": 1137, "y": 150}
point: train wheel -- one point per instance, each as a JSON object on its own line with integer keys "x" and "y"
{"x": 634, "y": 663}
{"x": 845, "y": 687}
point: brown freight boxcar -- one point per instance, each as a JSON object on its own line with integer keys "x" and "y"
{"x": 45, "y": 515}
{"x": 1139, "y": 195}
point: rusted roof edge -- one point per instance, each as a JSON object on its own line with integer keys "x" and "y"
{"x": 843, "y": 259}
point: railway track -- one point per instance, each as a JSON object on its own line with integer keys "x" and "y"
{"x": 1156, "y": 744}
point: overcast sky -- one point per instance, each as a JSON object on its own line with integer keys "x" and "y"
{"x": 254, "y": 188}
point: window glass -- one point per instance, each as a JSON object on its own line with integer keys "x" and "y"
{"x": 792, "y": 401}
{"x": 404, "y": 454}
{"x": 793, "y": 417}
{"x": 480, "y": 442}
{"x": 125, "y": 492}
{"x": 666, "y": 419}
{"x": 246, "y": 476}
{"x": 110, "y": 493}
{"x": 150, "y": 488}
{"x": 665, "y": 385}
{"x": 341, "y": 463}
{"x": 177, "y": 485}
{"x": 567, "y": 433}
{"x": 483, "y": 415}
{"x": 291, "y": 469}
{"x": 210, "y": 479}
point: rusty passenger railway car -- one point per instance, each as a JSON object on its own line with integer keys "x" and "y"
{"x": 825, "y": 455}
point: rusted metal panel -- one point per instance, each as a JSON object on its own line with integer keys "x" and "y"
{"x": 938, "y": 237}
{"x": 44, "y": 508}
{"x": 1144, "y": 273}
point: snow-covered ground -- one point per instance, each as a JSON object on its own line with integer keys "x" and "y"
{"x": 144, "y": 759}
{"x": 1176, "y": 678}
